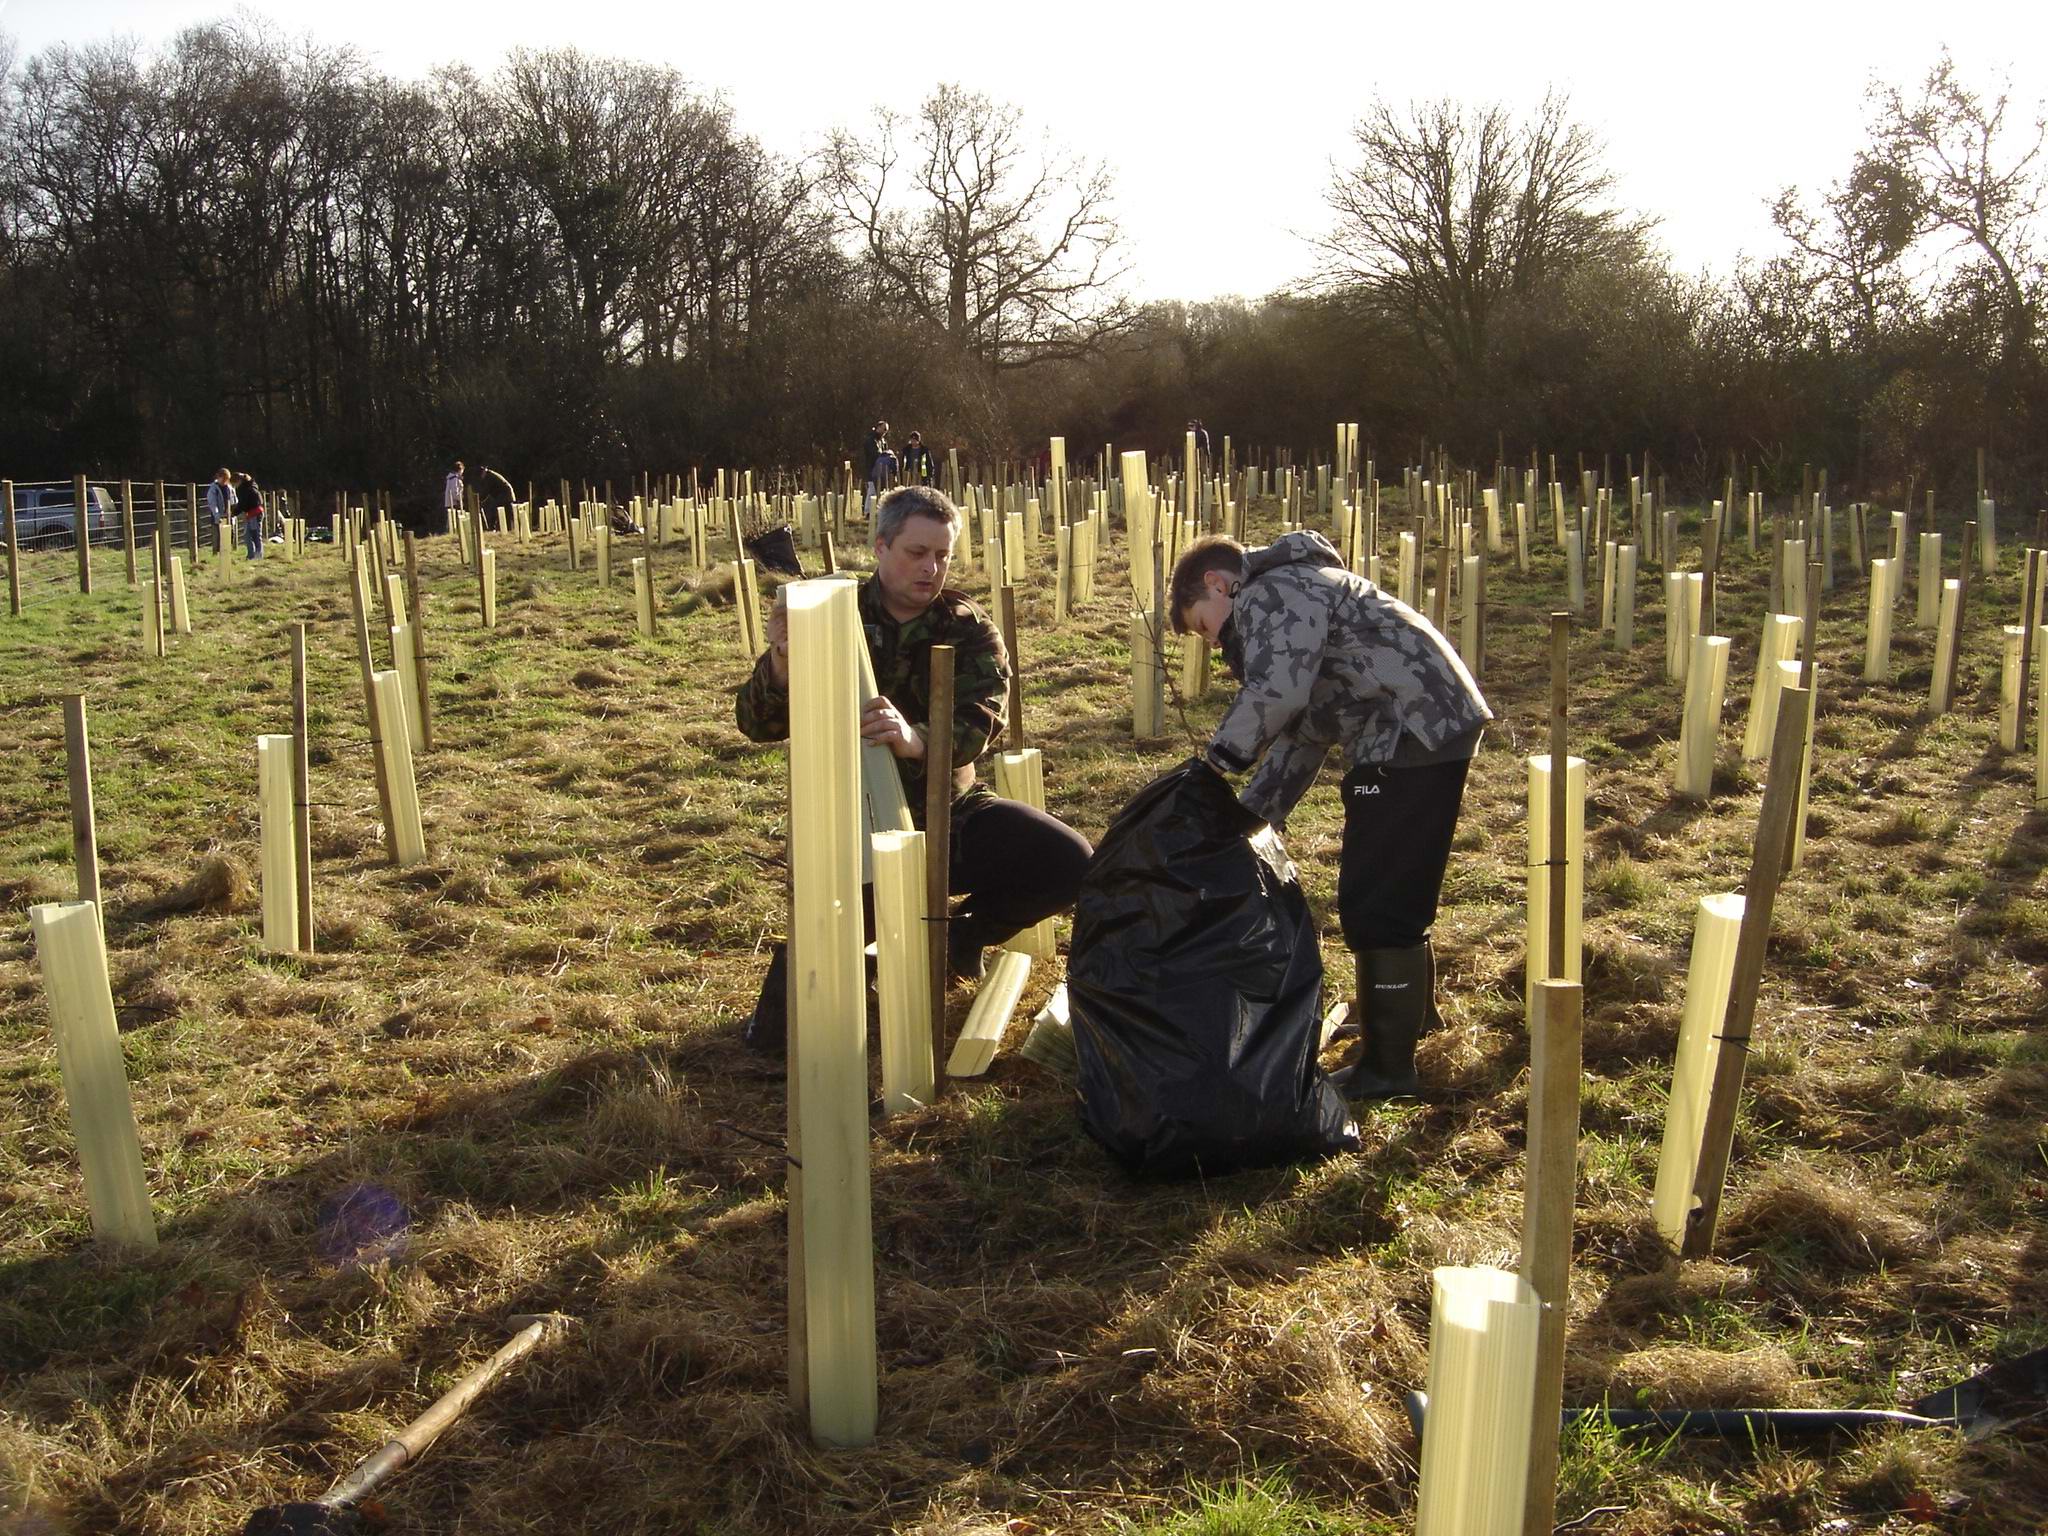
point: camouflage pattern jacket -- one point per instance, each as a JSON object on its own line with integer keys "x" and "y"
{"x": 902, "y": 654}
{"x": 1328, "y": 659}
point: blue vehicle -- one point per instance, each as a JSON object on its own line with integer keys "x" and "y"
{"x": 46, "y": 517}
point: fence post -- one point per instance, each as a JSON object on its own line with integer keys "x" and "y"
{"x": 81, "y": 527}
{"x": 13, "y": 551}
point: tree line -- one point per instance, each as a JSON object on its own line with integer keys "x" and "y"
{"x": 251, "y": 248}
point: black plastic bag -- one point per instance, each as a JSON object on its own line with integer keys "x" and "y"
{"x": 1196, "y": 987}
{"x": 774, "y": 549}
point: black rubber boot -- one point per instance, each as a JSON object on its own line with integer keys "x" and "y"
{"x": 1397, "y": 1003}
{"x": 766, "y": 1029}
{"x": 967, "y": 941}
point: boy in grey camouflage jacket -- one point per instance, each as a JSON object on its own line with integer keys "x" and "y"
{"x": 1327, "y": 660}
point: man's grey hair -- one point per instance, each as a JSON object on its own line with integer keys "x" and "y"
{"x": 908, "y": 501}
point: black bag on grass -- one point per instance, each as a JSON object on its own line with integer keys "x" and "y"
{"x": 1196, "y": 988}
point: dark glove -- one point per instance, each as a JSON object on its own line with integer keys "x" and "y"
{"x": 1239, "y": 817}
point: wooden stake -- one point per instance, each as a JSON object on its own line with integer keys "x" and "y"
{"x": 127, "y": 527}
{"x": 359, "y": 604}
{"x": 1707, "y": 979}
{"x": 1774, "y": 826}
{"x": 73, "y": 956}
{"x": 416, "y": 605}
{"x": 938, "y": 838}
{"x": 85, "y": 848}
{"x": 1955, "y": 649}
{"x": 1550, "y": 1190}
{"x": 1008, "y": 610}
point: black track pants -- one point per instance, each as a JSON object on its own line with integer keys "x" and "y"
{"x": 1398, "y": 825}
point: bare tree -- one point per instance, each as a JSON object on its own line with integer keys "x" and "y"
{"x": 1452, "y": 212}
{"x": 1948, "y": 161}
{"x": 1005, "y": 248}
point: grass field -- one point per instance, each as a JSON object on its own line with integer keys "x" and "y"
{"x": 508, "y": 1081}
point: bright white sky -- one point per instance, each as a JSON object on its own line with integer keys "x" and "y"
{"x": 1220, "y": 121}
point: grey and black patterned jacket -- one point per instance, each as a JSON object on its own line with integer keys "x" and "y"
{"x": 1328, "y": 659}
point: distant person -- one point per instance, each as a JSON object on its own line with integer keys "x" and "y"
{"x": 917, "y": 461}
{"x": 1201, "y": 443}
{"x": 881, "y": 475}
{"x": 453, "y": 490}
{"x": 220, "y": 497}
{"x": 249, "y": 508}
{"x": 870, "y": 446}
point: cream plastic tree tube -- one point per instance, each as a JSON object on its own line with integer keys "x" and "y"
{"x": 1781, "y": 637}
{"x": 1677, "y": 627}
{"x": 1625, "y": 598}
{"x": 1020, "y": 776}
{"x": 2014, "y": 649}
{"x": 989, "y": 1016}
{"x": 181, "y": 611}
{"x": 1877, "y": 642}
{"x": 406, "y": 665}
{"x": 1927, "y": 589}
{"x": 1706, "y": 686}
{"x": 81, "y": 1001}
{"x": 1014, "y": 538}
{"x": 1707, "y": 980}
{"x": 1147, "y": 679}
{"x": 2040, "y": 718}
{"x": 1522, "y": 538}
{"x": 152, "y": 618}
{"x": 280, "y": 889}
{"x": 490, "y": 588}
{"x": 1792, "y": 577}
{"x": 1945, "y": 646}
{"x": 1139, "y": 529}
{"x": 1482, "y": 1389}
{"x": 408, "y": 840}
{"x": 1537, "y": 924}
{"x": 831, "y": 1186}
{"x": 1575, "y": 570}
{"x": 902, "y": 974}
{"x": 643, "y": 598}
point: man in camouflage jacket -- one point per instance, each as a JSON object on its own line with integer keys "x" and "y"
{"x": 1011, "y": 865}
{"x": 1327, "y": 660}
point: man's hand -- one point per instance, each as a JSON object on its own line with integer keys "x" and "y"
{"x": 778, "y": 639}
{"x": 882, "y": 721}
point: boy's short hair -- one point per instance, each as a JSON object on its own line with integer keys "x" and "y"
{"x": 1216, "y": 552}
{"x": 908, "y": 501}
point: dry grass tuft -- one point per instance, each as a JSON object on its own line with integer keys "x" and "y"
{"x": 222, "y": 883}
{"x": 1799, "y": 1206}
{"x": 1687, "y": 1376}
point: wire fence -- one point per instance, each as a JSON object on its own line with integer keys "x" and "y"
{"x": 39, "y": 523}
